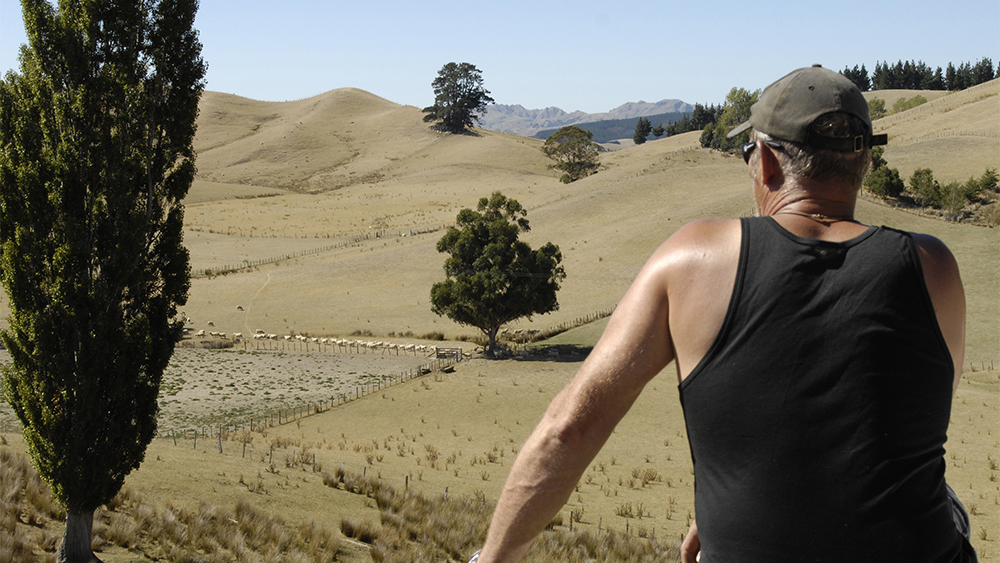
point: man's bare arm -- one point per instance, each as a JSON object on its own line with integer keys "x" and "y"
{"x": 634, "y": 348}
{"x": 944, "y": 284}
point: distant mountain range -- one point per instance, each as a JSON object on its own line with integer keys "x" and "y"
{"x": 520, "y": 121}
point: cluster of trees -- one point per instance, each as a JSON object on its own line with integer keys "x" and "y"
{"x": 735, "y": 110}
{"x": 877, "y": 109}
{"x": 885, "y": 182}
{"x": 697, "y": 120}
{"x": 701, "y": 117}
{"x": 916, "y": 75}
{"x": 953, "y": 196}
{"x": 668, "y": 124}
{"x": 613, "y": 129}
{"x": 96, "y": 158}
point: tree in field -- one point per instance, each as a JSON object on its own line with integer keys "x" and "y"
{"x": 881, "y": 180}
{"x": 925, "y": 189}
{"x": 642, "y": 130}
{"x": 574, "y": 153}
{"x": 904, "y": 104}
{"x": 95, "y": 159}
{"x": 459, "y": 98}
{"x": 876, "y": 109}
{"x": 492, "y": 277}
{"x": 659, "y": 130}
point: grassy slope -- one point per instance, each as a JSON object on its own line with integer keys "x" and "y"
{"x": 347, "y": 163}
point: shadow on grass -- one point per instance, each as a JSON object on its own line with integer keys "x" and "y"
{"x": 556, "y": 353}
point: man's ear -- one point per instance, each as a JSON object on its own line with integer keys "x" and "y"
{"x": 770, "y": 168}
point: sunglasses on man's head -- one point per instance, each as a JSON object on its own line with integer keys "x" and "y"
{"x": 747, "y": 148}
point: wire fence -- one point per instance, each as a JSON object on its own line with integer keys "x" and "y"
{"x": 954, "y": 99}
{"x": 350, "y": 241}
{"x": 289, "y": 414}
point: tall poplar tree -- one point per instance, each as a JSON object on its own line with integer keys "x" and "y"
{"x": 96, "y": 157}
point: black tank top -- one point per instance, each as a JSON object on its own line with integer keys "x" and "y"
{"x": 817, "y": 419}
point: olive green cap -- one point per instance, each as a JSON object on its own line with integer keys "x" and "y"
{"x": 787, "y": 108}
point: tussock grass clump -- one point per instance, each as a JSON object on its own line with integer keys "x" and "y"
{"x": 14, "y": 547}
{"x": 204, "y": 535}
{"x": 415, "y": 527}
{"x": 25, "y": 501}
{"x": 610, "y": 546}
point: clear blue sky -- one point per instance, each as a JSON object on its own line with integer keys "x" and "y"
{"x": 581, "y": 55}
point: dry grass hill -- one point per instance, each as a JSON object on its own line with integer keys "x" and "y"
{"x": 351, "y": 192}
{"x": 348, "y": 163}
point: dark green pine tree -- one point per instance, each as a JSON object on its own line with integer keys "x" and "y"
{"x": 643, "y": 128}
{"x": 96, "y": 157}
{"x": 859, "y": 76}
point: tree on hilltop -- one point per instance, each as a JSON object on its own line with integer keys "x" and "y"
{"x": 459, "y": 98}
{"x": 492, "y": 277}
{"x": 859, "y": 76}
{"x": 574, "y": 152}
{"x": 96, "y": 157}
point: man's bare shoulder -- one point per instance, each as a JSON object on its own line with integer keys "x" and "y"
{"x": 936, "y": 260}
{"x": 932, "y": 247}
{"x": 703, "y": 236}
{"x": 696, "y": 247}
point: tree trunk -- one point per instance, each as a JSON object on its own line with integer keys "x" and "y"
{"x": 75, "y": 545}
{"x": 491, "y": 350}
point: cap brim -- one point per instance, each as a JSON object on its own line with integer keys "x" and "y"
{"x": 738, "y": 129}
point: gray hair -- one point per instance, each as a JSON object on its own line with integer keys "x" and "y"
{"x": 808, "y": 163}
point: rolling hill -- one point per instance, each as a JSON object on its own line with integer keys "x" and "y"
{"x": 349, "y": 193}
{"x": 347, "y": 164}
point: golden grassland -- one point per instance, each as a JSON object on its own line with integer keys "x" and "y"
{"x": 365, "y": 178}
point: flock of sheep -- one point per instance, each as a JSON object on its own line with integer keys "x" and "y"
{"x": 345, "y": 345}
